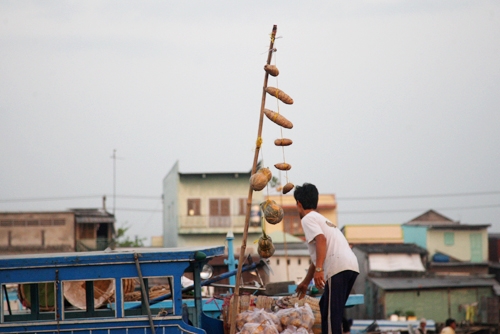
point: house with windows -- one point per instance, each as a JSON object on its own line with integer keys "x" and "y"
{"x": 39, "y": 232}
{"x": 200, "y": 208}
{"x": 454, "y": 248}
{"x": 384, "y": 260}
{"x": 464, "y": 298}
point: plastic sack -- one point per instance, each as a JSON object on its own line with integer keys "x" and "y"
{"x": 294, "y": 330}
{"x": 302, "y": 316}
{"x": 256, "y": 316}
{"x": 265, "y": 327}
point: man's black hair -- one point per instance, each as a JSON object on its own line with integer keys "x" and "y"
{"x": 307, "y": 195}
{"x": 449, "y": 321}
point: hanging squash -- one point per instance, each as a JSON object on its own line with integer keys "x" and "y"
{"x": 273, "y": 213}
{"x": 259, "y": 180}
{"x": 265, "y": 246}
{"x": 267, "y": 172}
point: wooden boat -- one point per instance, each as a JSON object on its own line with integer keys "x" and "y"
{"x": 60, "y": 270}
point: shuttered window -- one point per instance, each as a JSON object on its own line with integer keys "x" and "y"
{"x": 242, "y": 207}
{"x": 219, "y": 212}
{"x": 219, "y": 207}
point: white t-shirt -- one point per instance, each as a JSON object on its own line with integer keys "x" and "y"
{"x": 339, "y": 255}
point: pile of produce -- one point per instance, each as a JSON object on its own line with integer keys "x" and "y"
{"x": 298, "y": 319}
{"x": 264, "y": 314}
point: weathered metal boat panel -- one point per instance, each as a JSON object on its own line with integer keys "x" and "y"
{"x": 115, "y": 266}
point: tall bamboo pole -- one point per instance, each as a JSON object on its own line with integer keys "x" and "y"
{"x": 236, "y": 296}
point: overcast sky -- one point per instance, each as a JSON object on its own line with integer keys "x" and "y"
{"x": 393, "y": 99}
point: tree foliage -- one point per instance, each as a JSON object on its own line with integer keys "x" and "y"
{"x": 123, "y": 240}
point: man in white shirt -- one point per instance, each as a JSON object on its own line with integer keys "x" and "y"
{"x": 334, "y": 267}
{"x": 451, "y": 325}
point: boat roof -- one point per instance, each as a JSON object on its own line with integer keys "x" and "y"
{"x": 109, "y": 257}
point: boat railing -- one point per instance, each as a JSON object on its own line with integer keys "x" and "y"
{"x": 77, "y": 291}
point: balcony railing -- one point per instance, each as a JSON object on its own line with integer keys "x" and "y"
{"x": 205, "y": 222}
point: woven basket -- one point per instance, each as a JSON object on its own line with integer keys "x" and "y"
{"x": 266, "y": 303}
{"x": 74, "y": 292}
{"x": 46, "y": 296}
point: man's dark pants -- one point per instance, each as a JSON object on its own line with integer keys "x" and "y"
{"x": 332, "y": 303}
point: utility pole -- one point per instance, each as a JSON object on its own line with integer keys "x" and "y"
{"x": 114, "y": 157}
{"x": 114, "y": 180}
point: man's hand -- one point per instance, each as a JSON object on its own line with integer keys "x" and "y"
{"x": 301, "y": 290}
{"x": 319, "y": 279}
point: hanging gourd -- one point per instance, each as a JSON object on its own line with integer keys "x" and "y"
{"x": 259, "y": 180}
{"x": 273, "y": 213}
{"x": 289, "y": 186}
{"x": 279, "y": 94}
{"x": 265, "y": 246}
{"x": 283, "y": 166}
{"x": 272, "y": 70}
{"x": 283, "y": 142}
{"x": 278, "y": 119}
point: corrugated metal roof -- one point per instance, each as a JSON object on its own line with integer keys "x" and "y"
{"x": 457, "y": 227}
{"x": 432, "y": 282}
{"x": 391, "y": 248}
{"x": 459, "y": 264}
{"x": 95, "y": 220}
{"x": 93, "y": 216}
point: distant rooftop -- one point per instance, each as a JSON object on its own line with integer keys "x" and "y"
{"x": 280, "y": 237}
{"x": 96, "y": 216}
{"x": 391, "y": 248}
{"x": 432, "y": 217}
{"x": 400, "y": 283}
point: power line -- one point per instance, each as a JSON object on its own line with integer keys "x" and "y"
{"x": 43, "y": 199}
{"x": 145, "y": 197}
{"x": 140, "y": 197}
{"x": 417, "y": 196}
{"x": 487, "y": 206}
{"x": 40, "y": 199}
{"x": 138, "y": 210}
